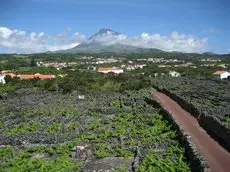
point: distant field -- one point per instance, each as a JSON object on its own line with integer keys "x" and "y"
{"x": 20, "y": 56}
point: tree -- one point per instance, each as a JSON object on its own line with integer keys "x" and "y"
{"x": 8, "y": 78}
{"x": 33, "y": 63}
{"x": 51, "y": 85}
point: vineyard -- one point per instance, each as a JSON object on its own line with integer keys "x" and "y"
{"x": 206, "y": 99}
{"x": 209, "y": 96}
{"x": 44, "y": 131}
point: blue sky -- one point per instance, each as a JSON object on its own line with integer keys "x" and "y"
{"x": 207, "y": 19}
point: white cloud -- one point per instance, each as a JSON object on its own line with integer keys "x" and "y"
{"x": 22, "y": 42}
{"x": 174, "y": 42}
{"x": 15, "y": 41}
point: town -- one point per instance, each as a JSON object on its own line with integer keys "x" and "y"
{"x": 118, "y": 65}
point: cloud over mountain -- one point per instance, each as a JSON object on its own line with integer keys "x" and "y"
{"x": 173, "y": 42}
{"x": 22, "y": 42}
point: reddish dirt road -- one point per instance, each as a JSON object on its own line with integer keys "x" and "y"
{"x": 217, "y": 158}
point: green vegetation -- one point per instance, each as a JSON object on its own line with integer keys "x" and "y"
{"x": 161, "y": 163}
{"x": 24, "y": 128}
{"x": 21, "y": 163}
{"x": 116, "y": 104}
{"x": 94, "y": 125}
{"x": 212, "y": 100}
{"x": 227, "y": 121}
{"x": 53, "y": 128}
{"x": 64, "y": 122}
{"x": 73, "y": 125}
{"x": 101, "y": 150}
{"x": 121, "y": 169}
{"x": 113, "y": 120}
{"x": 121, "y": 152}
{"x": 5, "y": 151}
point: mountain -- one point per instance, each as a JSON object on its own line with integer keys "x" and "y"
{"x": 104, "y": 31}
{"x": 96, "y": 44}
{"x": 209, "y": 53}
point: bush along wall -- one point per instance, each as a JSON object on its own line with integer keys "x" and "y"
{"x": 195, "y": 159}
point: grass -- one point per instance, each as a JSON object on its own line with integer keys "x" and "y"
{"x": 227, "y": 120}
{"x": 94, "y": 125}
{"x": 101, "y": 150}
{"x": 42, "y": 149}
{"x": 5, "y": 151}
{"x": 1, "y": 124}
{"x": 22, "y": 162}
{"x": 73, "y": 126}
{"x": 53, "y": 128}
{"x": 172, "y": 161}
{"x": 62, "y": 149}
{"x": 24, "y": 128}
{"x": 120, "y": 152}
{"x": 116, "y": 104}
{"x": 69, "y": 111}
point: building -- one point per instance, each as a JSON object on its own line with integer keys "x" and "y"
{"x": 130, "y": 67}
{"x": 25, "y": 76}
{"x": 12, "y": 75}
{"x": 221, "y": 74}
{"x": 223, "y": 66}
{"x": 174, "y": 74}
{"x": 116, "y": 70}
{"x": 46, "y": 77}
{"x": 5, "y": 71}
{"x": 41, "y": 76}
{"x": 37, "y": 75}
{"x": 93, "y": 68}
{"x": 2, "y": 79}
{"x": 81, "y": 97}
{"x": 62, "y": 75}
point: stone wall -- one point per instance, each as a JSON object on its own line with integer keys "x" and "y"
{"x": 196, "y": 161}
{"x": 213, "y": 126}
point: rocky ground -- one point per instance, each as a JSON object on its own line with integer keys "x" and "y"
{"x": 86, "y": 131}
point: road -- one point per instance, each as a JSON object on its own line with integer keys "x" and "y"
{"x": 216, "y": 157}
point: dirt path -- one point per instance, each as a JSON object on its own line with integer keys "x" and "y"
{"x": 217, "y": 158}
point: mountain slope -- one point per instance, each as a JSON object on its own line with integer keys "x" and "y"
{"x": 95, "y": 44}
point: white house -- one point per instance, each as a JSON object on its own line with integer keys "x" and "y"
{"x": 81, "y": 97}
{"x": 221, "y": 74}
{"x": 93, "y": 68}
{"x": 109, "y": 69}
{"x": 2, "y": 79}
{"x": 174, "y": 74}
{"x": 130, "y": 68}
{"x": 156, "y": 74}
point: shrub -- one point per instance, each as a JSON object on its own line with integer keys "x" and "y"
{"x": 101, "y": 150}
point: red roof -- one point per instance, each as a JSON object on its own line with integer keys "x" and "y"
{"x": 108, "y": 68}
{"x": 10, "y": 74}
{"x": 25, "y": 76}
{"x": 45, "y": 76}
{"x": 219, "y": 72}
{"x": 31, "y": 76}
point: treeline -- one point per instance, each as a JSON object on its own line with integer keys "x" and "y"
{"x": 80, "y": 80}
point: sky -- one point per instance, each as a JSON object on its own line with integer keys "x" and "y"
{"x": 29, "y": 26}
